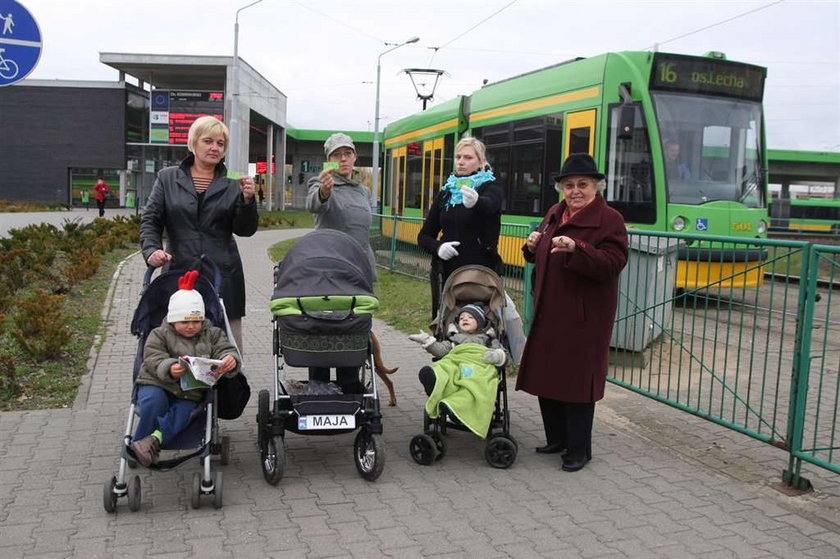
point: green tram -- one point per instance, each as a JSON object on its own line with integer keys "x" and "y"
{"x": 804, "y": 191}
{"x": 625, "y": 109}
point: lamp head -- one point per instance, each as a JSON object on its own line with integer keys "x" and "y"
{"x": 412, "y": 40}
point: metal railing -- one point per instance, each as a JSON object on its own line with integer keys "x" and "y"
{"x": 753, "y": 345}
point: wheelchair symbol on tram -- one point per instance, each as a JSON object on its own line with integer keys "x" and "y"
{"x": 702, "y": 224}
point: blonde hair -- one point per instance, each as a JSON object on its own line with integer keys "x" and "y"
{"x": 204, "y": 127}
{"x": 478, "y": 146}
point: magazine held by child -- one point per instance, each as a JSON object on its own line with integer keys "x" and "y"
{"x": 201, "y": 372}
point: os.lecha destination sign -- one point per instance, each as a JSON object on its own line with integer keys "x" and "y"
{"x": 708, "y": 76}
{"x": 173, "y": 112}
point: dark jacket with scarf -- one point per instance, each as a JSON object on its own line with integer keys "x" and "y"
{"x": 476, "y": 228}
{"x": 200, "y": 224}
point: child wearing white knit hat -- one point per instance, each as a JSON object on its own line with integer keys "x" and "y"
{"x": 165, "y": 407}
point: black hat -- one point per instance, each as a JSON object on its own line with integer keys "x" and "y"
{"x": 579, "y": 164}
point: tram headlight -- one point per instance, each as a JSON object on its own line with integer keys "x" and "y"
{"x": 762, "y": 227}
{"x": 678, "y": 223}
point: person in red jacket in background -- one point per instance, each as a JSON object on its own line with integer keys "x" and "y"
{"x": 101, "y": 188}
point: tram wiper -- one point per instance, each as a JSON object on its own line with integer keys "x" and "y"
{"x": 751, "y": 182}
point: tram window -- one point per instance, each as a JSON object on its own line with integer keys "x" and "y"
{"x": 629, "y": 171}
{"x": 579, "y": 140}
{"x": 527, "y": 179}
{"x": 413, "y": 180}
{"x": 448, "y": 153}
{"x": 494, "y": 135}
{"x": 529, "y": 129}
{"x": 499, "y": 159}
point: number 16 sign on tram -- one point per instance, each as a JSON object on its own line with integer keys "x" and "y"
{"x": 20, "y": 42}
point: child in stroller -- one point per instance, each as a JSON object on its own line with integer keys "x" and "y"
{"x": 467, "y": 386}
{"x": 165, "y": 406}
{"x": 186, "y": 420}
{"x": 470, "y": 326}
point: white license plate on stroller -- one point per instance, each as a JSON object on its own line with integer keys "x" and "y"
{"x": 326, "y": 421}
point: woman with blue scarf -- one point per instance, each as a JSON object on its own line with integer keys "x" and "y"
{"x": 468, "y": 210}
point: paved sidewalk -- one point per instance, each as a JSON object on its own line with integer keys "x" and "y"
{"x": 661, "y": 483}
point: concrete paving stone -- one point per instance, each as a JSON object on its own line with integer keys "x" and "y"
{"x": 208, "y": 547}
{"x": 281, "y": 539}
{"x": 740, "y": 547}
{"x": 351, "y": 531}
{"x": 17, "y": 534}
{"x": 312, "y": 527}
{"x": 822, "y": 552}
{"x": 51, "y": 541}
{"x": 241, "y": 532}
{"x": 340, "y": 512}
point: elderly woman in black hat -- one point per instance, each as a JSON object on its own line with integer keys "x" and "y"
{"x": 579, "y": 251}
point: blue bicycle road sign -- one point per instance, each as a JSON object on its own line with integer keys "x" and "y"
{"x": 20, "y": 42}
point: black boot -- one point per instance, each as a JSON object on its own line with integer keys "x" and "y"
{"x": 427, "y": 379}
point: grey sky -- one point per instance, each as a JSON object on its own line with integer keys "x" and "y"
{"x": 322, "y": 53}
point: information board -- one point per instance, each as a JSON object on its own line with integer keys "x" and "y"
{"x": 173, "y": 112}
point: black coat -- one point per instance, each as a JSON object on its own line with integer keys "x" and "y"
{"x": 197, "y": 225}
{"x": 476, "y": 228}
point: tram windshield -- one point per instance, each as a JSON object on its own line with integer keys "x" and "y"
{"x": 711, "y": 148}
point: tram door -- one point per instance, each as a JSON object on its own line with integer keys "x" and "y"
{"x": 580, "y": 133}
{"x": 432, "y": 171}
{"x": 397, "y": 181}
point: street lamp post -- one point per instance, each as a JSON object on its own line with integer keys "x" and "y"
{"x": 233, "y": 125}
{"x": 375, "y": 187}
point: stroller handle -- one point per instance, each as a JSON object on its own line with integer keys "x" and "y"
{"x": 217, "y": 273}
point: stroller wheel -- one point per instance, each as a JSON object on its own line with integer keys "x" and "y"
{"x": 500, "y": 451}
{"x": 262, "y": 419}
{"x": 274, "y": 459}
{"x": 370, "y": 455}
{"x": 195, "y": 496}
{"x": 109, "y": 498}
{"x": 134, "y": 494}
{"x": 423, "y": 449}
{"x": 217, "y": 491}
{"x": 224, "y": 451}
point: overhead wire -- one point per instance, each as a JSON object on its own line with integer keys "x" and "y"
{"x": 446, "y": 44}
{"x": 684, "y": 35}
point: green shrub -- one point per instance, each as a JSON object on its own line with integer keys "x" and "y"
{"x": 40, "y": 326}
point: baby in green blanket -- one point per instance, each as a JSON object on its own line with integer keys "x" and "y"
{"x": 470, "y": 326}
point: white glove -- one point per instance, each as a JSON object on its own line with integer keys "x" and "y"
{"x": 495, "y": 356}
{"x": 422, "y": 338}
{"x": 470, "y": 196}
{"x": 446, "y": 251}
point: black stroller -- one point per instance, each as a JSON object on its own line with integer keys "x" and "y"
{"x": 202, "y": 435}
{"x": 465, "y": 285}
{"x": 323, "y": 304}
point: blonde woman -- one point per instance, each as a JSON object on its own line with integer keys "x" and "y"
{"x": 201, "y": 210}
{"x": 468, "y": 213}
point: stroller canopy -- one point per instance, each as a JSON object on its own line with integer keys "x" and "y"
{"x": 328, "y": 270}
{"x": 468, "y": 284}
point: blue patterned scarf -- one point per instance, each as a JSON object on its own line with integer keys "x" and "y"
{"x": 454, "y": 184}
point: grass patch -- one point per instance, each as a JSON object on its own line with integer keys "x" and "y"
{"x": 55, "y": 383}
{"x": 404, "y": 302}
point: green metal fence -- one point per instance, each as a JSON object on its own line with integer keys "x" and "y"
{"x": 744, "y": 334}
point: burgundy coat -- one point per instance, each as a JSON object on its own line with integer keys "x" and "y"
{"x": 575, "y": 299}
